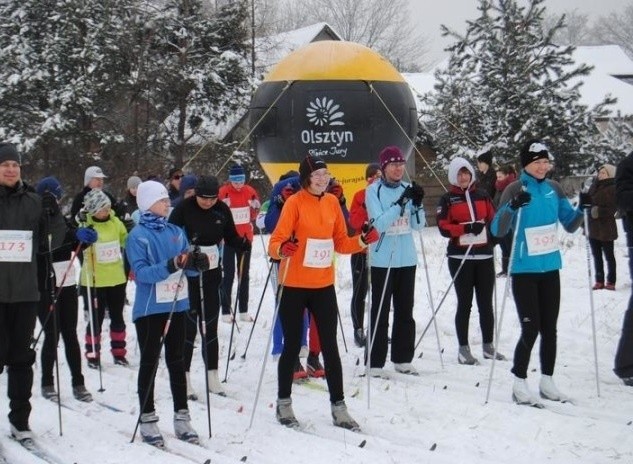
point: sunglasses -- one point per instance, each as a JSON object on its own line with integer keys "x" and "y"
{"x": 177, "y": 177}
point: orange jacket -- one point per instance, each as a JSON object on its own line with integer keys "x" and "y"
{"x": 306, "y": 216}
{"x": 238, "y": 202}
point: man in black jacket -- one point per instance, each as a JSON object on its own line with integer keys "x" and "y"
{"x": 25, "y": 228}
{"x": 624, "y": 197}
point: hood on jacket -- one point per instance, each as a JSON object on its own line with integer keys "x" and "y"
{"x": 454, "y": 167}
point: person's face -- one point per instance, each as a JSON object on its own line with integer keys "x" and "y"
{"x": 9, "y": 173}
{"x": 483, "y": 167}
{"x": 96, "y": 183}
{"x": 375, "y": 177}
{"x": 501, "y": 176}
{"x": 602, "y": 174}
{"x": 103, "y": 213}
{"x": 206, "y": 203}
{"x": 161, "y": 207}
{"x": 394, "y": 171}
{"x": 463, "y": 178}
{"x": 175, "y": 180}
{"x": 237, "y": 185}
{"x": 319, "y": 181}
{"x": 133, "y": 191}
{"x": 539, "y": 168}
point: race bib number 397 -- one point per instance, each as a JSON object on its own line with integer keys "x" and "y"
{"x": 16, "y": 246}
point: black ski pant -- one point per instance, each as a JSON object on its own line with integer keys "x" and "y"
{"x": 399, "y": 288}
{"x": 624, "y": 355}
{"x": 598, "y": 248}
{"x": 229, "y": 257}
{"x": 149, "y": 330}
{"x": 17, "y": 322}
{"x": 63, "y": 318}
{"x": 476, "y": 276}
{"x": 321, "y": 302}
{"x": 112, "y": 298}
{"x": 537, "y": 298}
{"x": 210, "y": 294}
{"x": 360, "y": 284}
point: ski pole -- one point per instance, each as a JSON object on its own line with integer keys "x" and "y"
{"x": 280, "y": 291}
{"x": 234, "y": 325}
{"x": 160, "y": 348}
{"x": 428, "y": 286}
{"x": 372, "y": 331}
{"x": 259, "y": 307}
{"x": 203, "y": 333}
{"x": 95, "y": 312}
{"x": 437, "y": 309}
{"x": 56, "y": 296}
{"x": 504, "y": 300}
{"x": 591, "y": 304}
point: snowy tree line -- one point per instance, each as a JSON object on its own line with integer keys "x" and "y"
{"x": 509, "y": 80}
{"x": 140, "y": 86}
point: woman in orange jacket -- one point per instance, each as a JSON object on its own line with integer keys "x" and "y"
{"x": 311, "y": 228}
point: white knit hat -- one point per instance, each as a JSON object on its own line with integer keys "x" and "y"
{"x": 148, "y": 193}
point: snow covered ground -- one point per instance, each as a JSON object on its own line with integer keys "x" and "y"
{"x": 439, "y": 417}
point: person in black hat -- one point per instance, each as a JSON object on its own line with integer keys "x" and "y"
{"x": 532, "y": 207}
{"x": 486, "y": 175}
{"x": 208, "y": 224}
{"x": 31, "y": 225}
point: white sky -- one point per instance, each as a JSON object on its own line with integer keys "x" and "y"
{"x": 429, "y": 15}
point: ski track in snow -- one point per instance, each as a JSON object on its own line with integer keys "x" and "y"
{"x": 438, "y": 417}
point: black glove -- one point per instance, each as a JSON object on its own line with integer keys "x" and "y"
{"x": 129, "y": 224}
{"x": 520, "y": 199}
{"x": 584, "y": 200}
{"x": 245, "y": 245}
{"x": 474, "y": 228}
{"x": 197, "y": 260}
{"x": 49, "y": 204}
{"x": 405, "y": 197}
{"x": 418, "y": 194}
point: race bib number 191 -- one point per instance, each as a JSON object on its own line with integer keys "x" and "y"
{"x": 319, "y": 253}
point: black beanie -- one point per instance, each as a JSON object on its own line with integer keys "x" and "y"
{"x": 533, "y": 150}
{"x": 308, "y": 166}
{"x": 207, "y": 187}
{"x": 8, "y": 152}
{"x": 485, "y": 158}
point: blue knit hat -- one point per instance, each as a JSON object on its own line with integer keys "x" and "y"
{"x": 237, "y": 174}
{"x": 51, "y": 185}
{"x": 188, "y": 182}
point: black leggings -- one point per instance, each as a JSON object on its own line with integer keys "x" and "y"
{"x": 321, "y": 302}
{"x": 65, "y": 314}
{"x": 210, "y": 287}
{"x": 537, "y": 298}
{"x": 478, "y": 276}
{"x": 598, "y": 248}
{"x": 149, "y": 330}
{"x": 112, "y": 298}
{"x": 360, "y": 283}
{"x": 229, "y": 257}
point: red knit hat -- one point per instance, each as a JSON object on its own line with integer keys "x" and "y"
{"x": 390, "y": 154}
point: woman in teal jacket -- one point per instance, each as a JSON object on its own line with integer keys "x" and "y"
{"x": 532, "y": 207}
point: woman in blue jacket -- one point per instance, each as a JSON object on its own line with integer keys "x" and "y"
{"x": 532, "y": 207}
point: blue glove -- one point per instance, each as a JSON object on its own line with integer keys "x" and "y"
{"x": 86, "y": 235}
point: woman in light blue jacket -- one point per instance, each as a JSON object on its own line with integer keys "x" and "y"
{"x": 535, "y": 264}
{"x": 395, "y": 209}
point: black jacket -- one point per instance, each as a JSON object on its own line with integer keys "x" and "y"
{"x": 624, "y": 189}
{"x": 21, "y": 209}
{"x": 207, "y": 227}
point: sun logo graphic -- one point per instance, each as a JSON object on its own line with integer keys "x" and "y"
{"x": 323, "y": 111}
